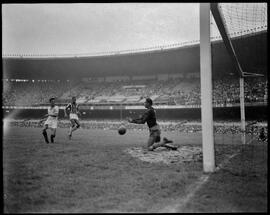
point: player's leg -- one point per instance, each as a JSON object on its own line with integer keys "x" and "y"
{"x": 164, "y": 143}
{"x": 156, "y": 136}
{"x": 70, "y": 129}
{"x": 44, "y": 133}
{"x": 77, "y": 125}
{"x": 53, "y": 134}
{"x": 150, "y": 143}
{"x": 168, "y": 145}
{"x": 53, "y": 128}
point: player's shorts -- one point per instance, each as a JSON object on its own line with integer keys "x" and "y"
{"x": 51, "y": 122}
{"x": 73, "y": 116}
{"x": 155, "y": 133}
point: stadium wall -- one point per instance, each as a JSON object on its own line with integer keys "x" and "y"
{"x": 220, "y": 113}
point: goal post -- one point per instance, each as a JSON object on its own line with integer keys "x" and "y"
{"x": 206, "y": 90}
{"x": 242, "y": 110}
{"x": 235, "y": 22}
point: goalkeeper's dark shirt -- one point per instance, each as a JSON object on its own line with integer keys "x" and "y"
{"x": 149, "y": 117}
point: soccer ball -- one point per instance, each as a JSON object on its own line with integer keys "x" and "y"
{"x": 122, "y": 130}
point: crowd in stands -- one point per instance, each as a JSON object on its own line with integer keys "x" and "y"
{"x": 227, "y": 91}
{"x": 176, "y": 91}
{"x": 32, "y": 93}
{"x": 173, "y": 91}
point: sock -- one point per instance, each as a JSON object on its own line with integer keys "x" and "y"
{"x": 45, "y": 136}
{"x": 52, "y": 138}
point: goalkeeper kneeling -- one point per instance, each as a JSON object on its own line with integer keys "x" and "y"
{"x": 150, "y": 118}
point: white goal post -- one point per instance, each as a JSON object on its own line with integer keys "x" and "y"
{"x": 206, "y": 90}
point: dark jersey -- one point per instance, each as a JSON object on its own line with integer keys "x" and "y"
{"x": 149, "y": 117}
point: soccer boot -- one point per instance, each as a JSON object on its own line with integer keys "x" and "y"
{"x": 169, "y": 146}
{"x": 165, "y": 140}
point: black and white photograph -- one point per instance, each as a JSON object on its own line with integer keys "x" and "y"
{"x": 134, "y": 107}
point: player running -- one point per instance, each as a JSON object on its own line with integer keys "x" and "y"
{"x": 150, "y": 118}
{"x": 73, "y": 110}
{"x": 51, "y": 120}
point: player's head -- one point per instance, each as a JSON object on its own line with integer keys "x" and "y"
{"x": 52, "y": 100}
{"x": 148, "y": 102}
{"x": 73, "y": 99}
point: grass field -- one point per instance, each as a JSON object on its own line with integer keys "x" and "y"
{"x": 93, "y": 173}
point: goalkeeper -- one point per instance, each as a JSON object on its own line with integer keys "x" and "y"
{"x": 150, "y": 118}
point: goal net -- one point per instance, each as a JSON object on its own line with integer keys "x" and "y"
{"x": 239, "y": 50}
{"x": 233, "y": 62}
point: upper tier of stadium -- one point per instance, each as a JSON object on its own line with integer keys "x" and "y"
{"x": 178, "y": 58}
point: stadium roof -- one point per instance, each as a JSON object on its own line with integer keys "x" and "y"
{"x": 252, "y": 52}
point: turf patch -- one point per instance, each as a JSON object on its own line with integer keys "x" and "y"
{"x": 162, "y": 154}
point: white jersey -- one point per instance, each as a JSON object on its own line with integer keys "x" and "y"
{"x": 53, "y": 111}
{"x": 51, "y": 120}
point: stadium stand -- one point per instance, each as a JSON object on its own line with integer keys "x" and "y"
{"x": 31, "y": 93}
{"x": 178, "y": 91}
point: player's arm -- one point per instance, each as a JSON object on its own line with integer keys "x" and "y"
{"x": 140, "y": 120}
{"x": 43, "y": 118}
{"x": 55, "y": 114}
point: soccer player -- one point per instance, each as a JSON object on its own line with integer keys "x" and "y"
{"x": 51, "y": 121}
{"x": 73, "y": 110}
{"x": 150, "y": 118}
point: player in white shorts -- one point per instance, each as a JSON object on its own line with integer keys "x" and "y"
{"x": 73, "y": 110}
{"x": 51, "y": 121}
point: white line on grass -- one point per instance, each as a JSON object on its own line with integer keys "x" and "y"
{"x": 181, "y": 202}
